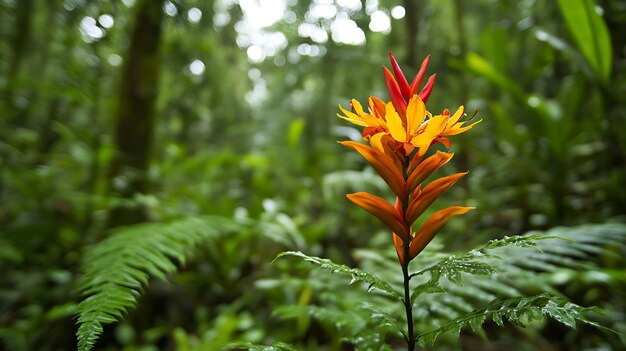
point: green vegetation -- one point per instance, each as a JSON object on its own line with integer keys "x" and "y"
{"x": 155, "y": 160}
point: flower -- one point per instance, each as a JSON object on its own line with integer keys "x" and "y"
{"x": 416, "y": 130}
{"x": 400, "y": 133}
{"x": 453, "y": 126}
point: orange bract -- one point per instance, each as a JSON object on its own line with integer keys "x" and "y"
{"x": 382, "y": 210}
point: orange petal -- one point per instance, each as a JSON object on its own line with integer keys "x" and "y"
{"x": 382, "y": 163}
{"x": 426, "y": 168}
{"x": 399, "y": 244}
{"x": 429, "y": 194}
{"x": 369, "y": 131}
{"x": 415, "y": 161}
{"x": 400, "y": 78}
{"x": 432, "y": 226}
{"x": 417, "y": 81}
{"x": 398, "y": 206}
{"x": 428, "y": 88}
{"x": 391, "y": 151}
{"x": 394, "y": 93}
{"x": 382, "y": 210}
{"x": 444, "y": 141}
{"x": 377, "y": 107}
{"x": 408, "y": 148}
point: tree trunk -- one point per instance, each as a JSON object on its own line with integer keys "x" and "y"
{"x": 19, "y": 45}
{"x": 136, "y": 112}
{"x": 412, "y": 27}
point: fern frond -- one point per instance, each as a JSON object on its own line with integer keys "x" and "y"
{"x": 455, "y": 266}
{"x": 518, "y": 310}
{"x": 116, "y": 270}
{"x": 356, "y": 274}
{"x": 505, "y": 269}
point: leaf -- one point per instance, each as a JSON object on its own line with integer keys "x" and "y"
{"x": 514, "y": 310}
{"x": 116, "y": 270}
{"x": 590, "y": 34}
{"x": 454, "y": 266}
{"x": 529, "y": 241}
{"x": 356, "y": 274}
{"x": 481, "y": 66}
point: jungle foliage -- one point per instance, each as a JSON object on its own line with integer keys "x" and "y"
{"x": 153, "y": 166}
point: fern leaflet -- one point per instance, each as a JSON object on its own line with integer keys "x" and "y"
{"x": 356, "y": 274}
{"x": 116, "y": 270}
{"x": 517, "y": 310}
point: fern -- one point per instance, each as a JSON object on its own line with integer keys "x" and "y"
{"x": 356, "y": 274}
{"x": 502, "y": 270}
{"x": 518, "y": 310}
{"x": 116, "y": 270}
{"x": 455, "y": 266}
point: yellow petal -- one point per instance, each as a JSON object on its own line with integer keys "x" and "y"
{"x": 376, "y": 141}
{"x": 432, "y": 226}
{"x": 382, "y": 163}
{"x": 415, "y": 114}
{"x": 353, "y": 120}
{"x": 348, "y": 114}
{"x": 361, "y": 119}
{"x": 457, "y": 115}
{"x": 429, "y": 194}
{"x": 382, "y": 210}
{"x": 394, "y": 124}
{"x": 458, "y": 128}
{"x": 357, "y": 107}
{"x": 426, "y": 168}
{"x": 433, "y": 128}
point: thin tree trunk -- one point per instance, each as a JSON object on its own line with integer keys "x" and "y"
{"x": 19, "y": 45}
{"x": 412, "y": 28}
{"x": 136, "y": 114}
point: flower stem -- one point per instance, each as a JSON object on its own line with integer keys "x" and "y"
{"x": 408, "y": 306}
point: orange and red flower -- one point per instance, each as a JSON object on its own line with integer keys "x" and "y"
{"x": 400, "y": 133}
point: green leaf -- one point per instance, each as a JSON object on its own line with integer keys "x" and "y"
{"x": 515, "y": 310}
{"x": 516, "y": 240}
{"x": 295, "y": 132}
{"x": 479, "y": 65}
{"x": 590, "y": 34}
{"x": 116, "y": 270}
{"x": 454, "y": 266}
{"x": 384, "y": 318}
{"x": 356, "y": 274}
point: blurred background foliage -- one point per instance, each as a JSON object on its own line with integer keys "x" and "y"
{"x": 114, "y": 113}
